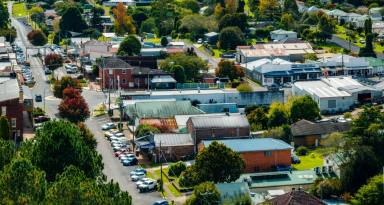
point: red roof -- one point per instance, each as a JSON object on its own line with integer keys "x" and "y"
{"x": 295, "y": 198}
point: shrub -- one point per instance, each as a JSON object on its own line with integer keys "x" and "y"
{"x": 176, "y": 169}
{"x": 244, "y": 87}
{"x": 37, "y": 38}
{"x": 302, "y": 151}
{"x": 189, "y": 178}
{"x": 38, "y": 112}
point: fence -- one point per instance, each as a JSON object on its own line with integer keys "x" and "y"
{"x": 203, "y": 86}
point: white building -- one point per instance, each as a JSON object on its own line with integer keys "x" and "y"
{"x": 115, "y": 2}
{"x": 336, "y": 94}
{"x": 280, "y": 35}
{"x": 345, "y": 65}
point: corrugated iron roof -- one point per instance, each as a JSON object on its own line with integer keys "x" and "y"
{"x": 226, "y": 121}
{"x": 252, "y": 145}
{"x": 173, "y": 139}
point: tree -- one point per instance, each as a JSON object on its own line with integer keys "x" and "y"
{"x": 197, "y": 25}
{"x": 291, "y": 7}
{"x": 148, "y": 26}
{"x": 287, "y": 21}
{"x": 37, "y": 38}
{"x": 179, "y": 73}
{"x": 139, "y": 17}
{"x": 277, "y": 115}
{"x": 130, "y": 46}
{"x": 370, "y": 193}
{"x": 95, "y": 21}
{"x": 231, "y": 6}
{"x": 4, "y": 16}
{"x": 123, "y": 23}
{"x": 258, "y": 119}
{"x": 22, "y": 183}
{"x": 67, "y": 22}
{"x": 65, "y": 82}
{"x": 193, "y": 5}
{"x": 53, "y": 61}
{"x": 9, "y": 34}
{"x": 204, "y": 193}
{"x": 5, "y": 129}
{"x": 231, "y": 20}
{"x": 227, "y": 68}
{"x": 304, "y": 107}
{"x": 368, "y": 51}
{"x": 145, "y": 129}
{"x": 60, "y": 144}
{"x": 7, "y": 152}
{"x": 269, "y": 8}
{"x": 227, "y": 170}
{"x": 192, "y": 65}
{"x": 326, "y": 188}
{"x": 73, "y": 106}
{"x": 244, "y": 87}
{"x": 37, "y": 14}
{"x": 175, "y": 169}
{"x": 87, "y": 135}
{"x": 230, "y": 38}
{"x": 218, "y": 12}
{"x": 164, "y": 41}
{"x": 283, "y": 133}
{"x": 325, "y": 28}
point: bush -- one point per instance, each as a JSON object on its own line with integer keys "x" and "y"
{"x": 244, "y": 87}
{"x": 235, "y": 83}
{"x": 37, "y": 38}
{"x": 38, "y": 112}
{"x": 302, "y": 151}
{"x": 176, "y": 169}
{"x": 189, "y": 178}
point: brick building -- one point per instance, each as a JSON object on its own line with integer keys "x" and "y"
{"x": 217, "y": 127}
{"x": 115, "y": 73}
{"x": 12, "y": 105}
{"x": 259, "y": 154}
{"x": 174, "y": 147}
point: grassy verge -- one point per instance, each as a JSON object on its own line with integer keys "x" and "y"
{"x": 173, "y": 190}
{"x": 19, "y": 10}
{"x": 107, "y": 10}
{"x": 153, "y": 40}
{"x": 311, "y": 160}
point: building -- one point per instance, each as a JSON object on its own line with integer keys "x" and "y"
{"x": 211, "y": 38}
{"x": 287, "y": 51}
{"x": 217, "y": 127}
{"x": 345, "y": 65}
{"x": 293, "y": 198}
{"x": 280, "y": 35}
{"x": 230, "y": 191}
{"x": 174, "y": 146}
{"x": 307, "y": 133}
{"x": 378, "y": 28}
{"x": 12, "y": 105}
{"x": 336, "y": 94}
{"x": 113, "y": 3}
{"x": 259, "y": 154}
{"x": 279, "y": 73}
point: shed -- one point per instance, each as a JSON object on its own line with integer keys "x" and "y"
{"x": 174, "y": 146}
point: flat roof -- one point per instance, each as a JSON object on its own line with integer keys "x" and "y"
{"x": 320, "y": 89}
{"x": 9, "y": 90}
{"x": 252, "y": 145}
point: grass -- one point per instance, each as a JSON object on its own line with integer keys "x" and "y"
{"x": 166, "y": 182}
{"x": 311, "y": 160}
{"x": 153, "y": 40}
{"x": 150, "y": 175}
{"x": 107, "y": 10}
{"x": 247, "y": 9}
{"x": 19, "y": 10}
{"x": 217, "y": 53}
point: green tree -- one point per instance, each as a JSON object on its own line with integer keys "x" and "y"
{"x": 370, "y": 193}
{"x": 227, "y": 171}
{"x": 9, "y": 34}
{"x": 37, "y": 14}
{"x": 192, "y": 65}
{"x": 175, "y": 169}
{"x": 368, "y": 50}
{"x": 87, "y": 135}
{"x": 291, "y": 7}
{"x": 283, "y": 133}
{"x": 325, "y": 27}
{"x": 244, "y": 87}
{"x": 231, "y": 20}
{"x": 193, "y": 5}
{"x": 164, "y": 41}
{"x": 269, "y": 9}
{"x": 5, "y": 130}
{"x": 148, "y": 26}
{"x": 204, "y": 194}
{"x": 65, "y": 82}
{"x": 230, "y": 38}
{"x": 139, "y": 17}
{"x": 145, "y": 129}
{"x": 304, "y": 107}
{"x": 130, "y": 46}
{"x": 197, "y": 25}
{"x": 4, "y": 15}
{"x": 326, "y": 188}
{"x": 7, "y": 152}
{"x": 60, "y": 144}
{"x": 95, "y": 21}
{"x": 37, "y": 38}
{"x": 179, "y": 73}
{"x": 258, "y": 119}
{"x": 227, "y": 68}
{"x": 287, "y": 21}
{"x": 22, "y": 183}
{"x": 277, "y": 115}
{"x": 67, "y": 22}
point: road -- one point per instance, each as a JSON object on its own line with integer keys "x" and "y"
{"x": 212, "y": 62}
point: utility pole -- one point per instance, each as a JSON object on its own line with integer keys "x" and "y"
{"x": 161, "y": 170}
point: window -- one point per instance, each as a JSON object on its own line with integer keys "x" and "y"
{"x": 124, "y": 71}
{"x": 3, "y": 110}
{"x": 267, "y": 153}
{"x": 13, "y": 122}
{"x": 123, "y": 81}
{"x": 331, "y": 103}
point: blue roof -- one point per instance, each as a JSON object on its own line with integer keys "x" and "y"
{"x": 252, "y": 145}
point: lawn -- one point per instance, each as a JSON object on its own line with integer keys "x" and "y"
{"x": 19, "y": 10}
{"x": 166, "y": 182}
{"x": 247, "y": 9}
{"x": 107, "y": 10}
{"x": 217, "y": 53}
{"x": 153, "y": 40}
{"x": 330, "y": 47}
{"x": 311, "y": 160}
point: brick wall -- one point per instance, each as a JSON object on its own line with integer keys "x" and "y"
{"x": 176, "y": 153}
{"x": 126, "y": 79}
{"x": 308, "y": 141}
{"x": 14, "y": 109}
{"x": 258, "y": 161}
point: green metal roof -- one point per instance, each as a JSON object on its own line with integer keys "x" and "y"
{"x": 161, "y": 109}
{"x": 374, "y": 62}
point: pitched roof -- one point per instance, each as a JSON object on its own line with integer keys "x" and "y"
{"x": 305, "y": 127}
{"x": 9, "y": 90}
{"x": 173, "y": 139}
{"x": 146, "y": 71}
{"x": 231, "y": 121}
{"x": 113, "y": 62}
{"x": 295, "y": 197}
{"x": 252, "y": 145}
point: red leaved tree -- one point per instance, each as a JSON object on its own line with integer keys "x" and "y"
{"x": 73, "y": 106}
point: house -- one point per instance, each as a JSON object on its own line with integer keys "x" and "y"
{"x": 117, "y": 74}
{"x": 279, "y": 35}
{"x": 163, "y": 82}
{"x": 336, "y": 94}
{"x": 218, "y": 107}
{"x": 376, "y": 65}
{"x": 345, "y": 65}
{"x": 378, "y": 28}
{"x": 294, "y": 197}
{"x": 268, "y": 72}
{"x": 157, "y": 52}
{"x": 95, "y": 47}
{"x": 113, "y": 3}
{"x": 230, "y": 191}
{"x": 259, "y": 154}
{"x": 217, "y": 127}
{"x": 375, "y": 14}
{"x": 12, "y": 105}
{"x": 211, "y": 38}
{"x": 174, "y": 146}
{"x": 287, "y": 51}
{"x": 142, "y": 74}
{"x": 176, "y": 44}
{"x": 307, "y": 133}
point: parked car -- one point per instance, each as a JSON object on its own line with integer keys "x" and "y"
{"x": 41, "y": 119}
{"x": 137, "y": 177}
{"x": 47, "y": 71}
{"x": 161, "y": 202}
{"x": 38, "y": 98}
{"x": 126, "y": 156}
{"x": 295, "y": 159}
{"x": 138, "y": 170}
{"x": 108, "y": 126}
{"x": 130, "y": 162}
{"x": 141, "y": 181}
{"x": 200, "y": 41}
{"x": 148, "y": 186}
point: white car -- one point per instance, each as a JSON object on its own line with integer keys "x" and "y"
{"x": 141, "y": 181}
{"x": 148, "y": 186}
{"x": 137, "y": 177}
{"x": 108, "y": 126}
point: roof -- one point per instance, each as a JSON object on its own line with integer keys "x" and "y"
{"x": 181, "y": 120}
{"x": 320, "y": 89}
{"x": 9, "y": 90}
{"x": 113, "y": 62}
{"x": 294, "y": 198}
{"x": 283, "y": 32}
{"x": 211, "y": 34}
{"x": 160, "y": 108}
{"x": 173, "y": 139}
{"x": 163, "y": 79}
{"x": 305, "y": 127}
{"x": 146, "y": 71}
{"x": 257, "y": 63}
{"x": 288, "y": 68}
{"x": 224, "y": 121}
{"x": 160, "y": 122}
{"x": 252, "y": 145}
{"x": 234, "y": 189}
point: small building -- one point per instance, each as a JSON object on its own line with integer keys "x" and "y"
{"x": 259, "y": 154}
{"x": 217, "y": 127}
{"x": 211, "y": 38}
{"x": 218, "y": 107}
{"x": 230, "y": 191}
{"x": 163, "y": 82}
{"x": 293, "y": 198}
{"x": 174, "y": 146}
{"x": 280, "y": 35}
{"x": 378, "y": 28}
{"x": 114, "y": 3}
{"x": 157, "y": 52}
{"x": 176, "y": 44}
{"x": 307, "y": 133}
{"x": 345, "y": 65}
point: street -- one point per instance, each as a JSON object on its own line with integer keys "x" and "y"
{"x": 113, "y": 169}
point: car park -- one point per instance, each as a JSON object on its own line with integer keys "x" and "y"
{"x": 108, "y": 126}
{"x": 148, "y": 186}
{"x": 137, "y": 177}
